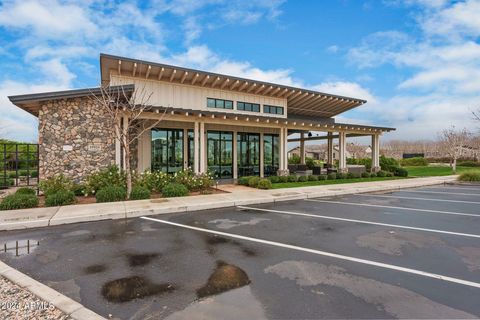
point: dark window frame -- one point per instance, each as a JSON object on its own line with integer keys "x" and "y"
{"x": 248, "y": 106}
{"x": 216, "y": 101}
{"x": 273, "y": 109}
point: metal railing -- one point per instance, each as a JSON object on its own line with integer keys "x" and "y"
{"x": 19, "y": 164}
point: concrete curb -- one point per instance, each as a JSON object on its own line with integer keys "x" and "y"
{"x": 68, "y": 306}
{"x": 42, "y": 217}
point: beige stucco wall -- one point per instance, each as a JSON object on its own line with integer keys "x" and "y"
{"x": 184, "y": 96}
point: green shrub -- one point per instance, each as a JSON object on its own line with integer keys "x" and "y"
{"x": 401, "y": 172}
{"x": 341, "y": 175}
{"x": 264, "y": 184}
{"x": 12, "y": 174}
{"x": 140, "y": 193}
{"x": 60, "y": 198}
{"x": 174, "y": 190}
{"x": 19, "y": 201}
{"x": 322, "y": 177}
{"x": 367, "y": 162}
{"x": 302, "y": 178}
{"x": 23, "y": 173}
{"x": 373, "y": 174}
{"x": 111, "y": 194}
{"x": 192, "y": 181}
{"x": 313, "y": 178}
{"x": 243, "y": 181}
{"x": 153, "y": 180}
{"x": 468, "y": 164}
{"x": 78, "y": 189}
{"x": 388, "y": 174}
{"x": 6, "y": 182}
{"x": 34, "y": 174}
{"x": 366, "y": 175}
{"x": 388, "y": 164}
{"x": 470, "y": 176}
{"x": 310, "y": 163}
{"x": 274, "y": 179}
{"x": 350, "y": 175}
{"x": 381, "y": 173}
{"x": 26, "y": 190}
{"x": 54, "y": 184}
{"x": 332, "y": 176}
{"x": 283, "y": 179}
{"x": 292, "y": 178}
{"x": 354, "y": 175}
{"x": 414, "y": 162}
{"x": 253, "y": 182}
{"x": 111, "y": 176}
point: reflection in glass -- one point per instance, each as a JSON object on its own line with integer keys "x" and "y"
{"x": 248, "y": 145}
{"x": 167, "y": 150}
{"x": 271, "y": 154}
{"x": 220, "y": 153}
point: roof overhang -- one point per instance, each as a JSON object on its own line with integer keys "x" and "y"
{"x": 300, "y": 101}
{"x": 32, "y": 102}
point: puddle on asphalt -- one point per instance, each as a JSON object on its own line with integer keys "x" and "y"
{"x": 130, "y": 288}
{"x": 138, "y": 260}
{"x": 20, "y": 248}
{"x": 228, "y": 223}
{"x": 214, "y": 240}
{"x": 225, "y": 277}
{"x": 75, "y": 233}
{"x": 95, "y": 268}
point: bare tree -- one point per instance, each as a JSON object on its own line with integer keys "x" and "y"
{"x": 126, "y": 111}
{"x": 452, "y": 143}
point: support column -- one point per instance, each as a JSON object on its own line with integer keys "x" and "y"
{"x": 262, "y": 156}
{"x": 203, "y": 153}
{"x": 330, "y": 149}
{"x": 342, "y": 147}
{"x": 118, "y": 152}
{"x": 302, "y": 148}
{"x": 185, "y": 149}
{"x": 285, "y": 150}
{"x": 375, "y": 152}
{"x": 235, "y": 156}
{"x": 196, "y": 147}
{"x": 124, "y": 133}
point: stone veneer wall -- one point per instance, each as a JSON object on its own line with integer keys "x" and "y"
{"x": 82, "y": 125}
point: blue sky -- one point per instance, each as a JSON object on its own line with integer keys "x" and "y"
{"x": 417, "y": 62}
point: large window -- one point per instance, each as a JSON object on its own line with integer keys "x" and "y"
{"x": 220, "y": 153}
{"x": 247, "y": 106}
{"x": 272, "y": 109}
{"x": 248, "y": 145}
{"x": 167, "y": 150}
{"x": 271, "y": 160}
{"x": 219, "y": 103}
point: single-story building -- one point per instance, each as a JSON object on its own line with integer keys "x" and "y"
{"x": 229, "y": 125}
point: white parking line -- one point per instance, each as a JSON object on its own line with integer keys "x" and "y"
{"x": 458, "y": 188}
{"x": 414, "y": 198}
{"x": 362, "y": 221}
{"x": 440, "y": 192}
{"x": 324, "y": 253}
{"x": 393, "y": 207}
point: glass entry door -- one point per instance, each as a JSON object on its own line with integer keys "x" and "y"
{"x": 248, "y": 154}
{"x": 220, "y": 153}
{"x": 167, "y": 150}
{"x": 271, "y": 161}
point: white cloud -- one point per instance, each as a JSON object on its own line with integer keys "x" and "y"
{"x": 332, "y": 49}
{"x": 348, "y": 89}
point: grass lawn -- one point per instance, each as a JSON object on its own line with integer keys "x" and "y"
{"x": 436, "y": 171}
{"x": 326, "y": 182}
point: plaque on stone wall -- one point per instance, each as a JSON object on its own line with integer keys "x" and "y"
{"x": 67, "y": 147}
{"x": 94, "y": 147}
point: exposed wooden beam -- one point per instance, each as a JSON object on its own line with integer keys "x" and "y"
{"x": 251, "y": 87}
{"x": 283, "y": 92}
{"x": 194, "y": 79}
{"x": 243, "y": 86}
{"x": 234, "y": 84}
{"x": 224, "y": 83}
{"x": 173, "y": 75}
{"x": 289, "y": 94}
{"x": 275, "y": 91}
{"x": 215, "y": 81}
{"x": 260, "y": 88}
{"x": 295, "y": 96}
{"x": 134, "y": 69}
{"x": 268, "y": 90}
{"x": 148, "y": 72}
{"x": 185, "y": 74}
{"x": 320, "y": 99}
{"x": 204, "y": 81}
{"x": 160, "y": 74}
{"x": 299, "y": 98}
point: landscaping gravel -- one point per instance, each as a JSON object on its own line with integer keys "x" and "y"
{"x": 17, "y": 303}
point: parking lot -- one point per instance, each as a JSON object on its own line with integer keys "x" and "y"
{"x": 406, "y": 254}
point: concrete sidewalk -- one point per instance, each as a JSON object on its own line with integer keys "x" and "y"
{"x": 41, "y": 217}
